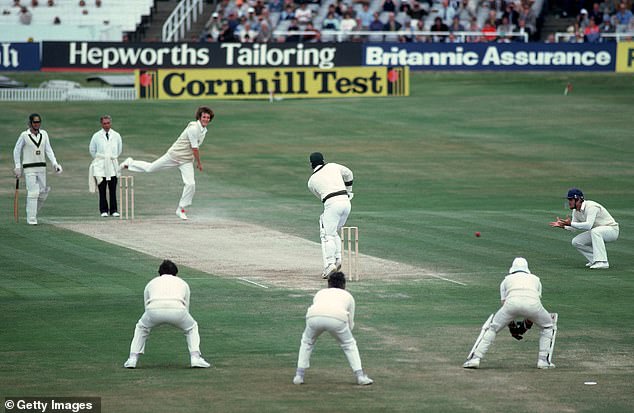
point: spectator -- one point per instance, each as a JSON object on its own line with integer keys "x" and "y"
{"x": 288, "y": 13}
{"x": 606, "y": 27}
{"x": 233, "y": 21}
{"x": 405, "y": 7}
{"x": 439, "y": 26}
{"x": 57, "y": 20}
{"x": 293, "y": 27}
{"x": 82, "y": 3}
{"x": 511, "y": 13}
{"x": 266, "y": 33}
{"x": 389, "y": 6}
{"x": 25, "y": 16}
{"x": 341, "y": 8}
{"x": 492, "y": 19}
{"x": 330, "y": 22}
{"x": 522, "y": 29}
{"x": 348, "y": 24}
{"x": 582, "y": 19}
{"x": 596, "y": 13}
{"x": 226, "y": 33}
{"x": 97, "y": 3}
{"x": 456, "y": 26}
{"x": 505, "y": 29}
{"x": 16, "y": 3}
{"x": 50, "y": 3}
{"x": 420, "y": 27}
{"x": 365, "y": 15}
{"x": 252, "y": 19}
{"x": 276, "y": 6}
{"x": 34, "y": 3}
{"x": 417, "y": 12}
{"x": 592, "y": 32}
{"x": 392, "y": 25}
{"x": 489, "y": 31}
{"x": 474, "y": 27}
{"x": 213, "y": 25}
{"x": 312, "y": 35}
{"x": 376, "y": 26}
{"x": 446, "y": 12}
{"x": 303, "y": 14}
{"x": 247, "y": 34}
{"x": 622, "y": 18}
{"x": 530, "y": 19}
{"x": 258, "y": 7}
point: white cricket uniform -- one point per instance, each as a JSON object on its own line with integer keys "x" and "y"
{"x": 521, "y": 294}
{"x": 179, "y": 155}
{"x": 332, "y": 183}
{"x": 105, "y": 152}
{"x": 332, "y": 311}
{"x": 166, "y": 301}
{"x": 599, "y": 227}
{"x": 30, "y": 153}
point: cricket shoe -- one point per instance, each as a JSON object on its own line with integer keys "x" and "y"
{"x": 180, "y": 212}
{"x": 600, "y": 265}
{"x": 116, "y": 214}
{"x": 104, "y": 214}
{"x": 338, "y": 264}
{"x": 32, "y": 222}
{"x": 130, "y": 363}
{"x": 589, "y": 264}
{"x": 328, "y": 271}
{"x": 364, "y": 380}
{"x": 199, "y": 362}
{"x": 543, "y": 364}
{"x": 472, "y": 363}
{"x": 298, "y": 379}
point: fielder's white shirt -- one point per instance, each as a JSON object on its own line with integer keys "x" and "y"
{"x": 191, "y": 138}
{"x": 329, "y": 178}
{"x": 521, "y": 284}
{"x": 166, "y": 291}
{"x": 32, "y": 148}
{"x": 335, "y": 303}
{"x": 105, "y": 152}
{"x": 591, "y": 215}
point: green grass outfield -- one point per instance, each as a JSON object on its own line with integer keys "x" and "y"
{"x": 493, "y": 153}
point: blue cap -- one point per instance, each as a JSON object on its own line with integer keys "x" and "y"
{"x": 575, "y": 193}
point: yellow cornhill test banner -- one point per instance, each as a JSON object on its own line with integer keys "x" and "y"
{"x": 264, "y": 83}
{"x": 625, "y": 57}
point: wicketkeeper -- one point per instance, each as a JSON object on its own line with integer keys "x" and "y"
{"x": 520, "y": 293}
{"x": 29, "y": 156}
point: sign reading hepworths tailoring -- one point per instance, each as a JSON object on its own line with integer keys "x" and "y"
{"x": 494, "y": 56}
{"x": 19, "y": 56}
{"x": 268, "y": 83}
{"x": 127, "y": 56}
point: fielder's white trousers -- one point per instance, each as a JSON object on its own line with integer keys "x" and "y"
{"x": 339, "y": 330}
{"x": 591, "y": 244}
{"x": 166, "y": 162}
{"x": 36, "y": 194}
{"x": 179, "y": 318}
{"x": 516, "y": 308}
{"x": 335, "y": 215}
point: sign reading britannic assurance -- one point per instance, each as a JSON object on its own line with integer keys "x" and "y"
{"x": 265, "y": 83}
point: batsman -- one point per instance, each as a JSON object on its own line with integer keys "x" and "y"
{"x": 520, "y": 293}
{"x": 29, "y": 156}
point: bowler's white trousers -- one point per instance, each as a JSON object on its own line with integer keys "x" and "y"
{"x": 592, "y": 243}
{"x": 335, "y": 215}
{"x": 166, "y": 162}
{"x": 514, "y": 308}
{"x": 173, "y": 316}
{"x": 338, "y": 329}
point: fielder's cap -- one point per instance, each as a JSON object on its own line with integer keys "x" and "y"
{"x": 574, "y": 193}
{"x": 316, "y": 158}
{"x": 519, "y": 265}
{"x": 583, "y": 11}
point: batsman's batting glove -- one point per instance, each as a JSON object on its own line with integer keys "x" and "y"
{"x": 17, "y": 172}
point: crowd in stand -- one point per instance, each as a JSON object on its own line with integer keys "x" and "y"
{"x": 597, "y": 19}
{"x": 23, "y": 9}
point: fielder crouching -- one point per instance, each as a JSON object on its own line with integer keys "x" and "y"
{"x": 520, "y": 293}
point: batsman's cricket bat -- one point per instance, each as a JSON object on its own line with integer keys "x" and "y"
{"x": 16, "y": 199}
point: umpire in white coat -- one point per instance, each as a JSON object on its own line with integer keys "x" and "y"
{"x": 332, "y": 184}
{"x": 521, "y": 294}
{"x": 29, "y": 155}
{"x": 332, "y": 311}
{"x": 166, "y": 300}
{"x": 105, "y": 148}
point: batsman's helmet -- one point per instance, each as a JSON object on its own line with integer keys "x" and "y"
{"x": 519, "y": 265}
{"x": 34, "y": 117}
{"x": 575, "y": 193}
